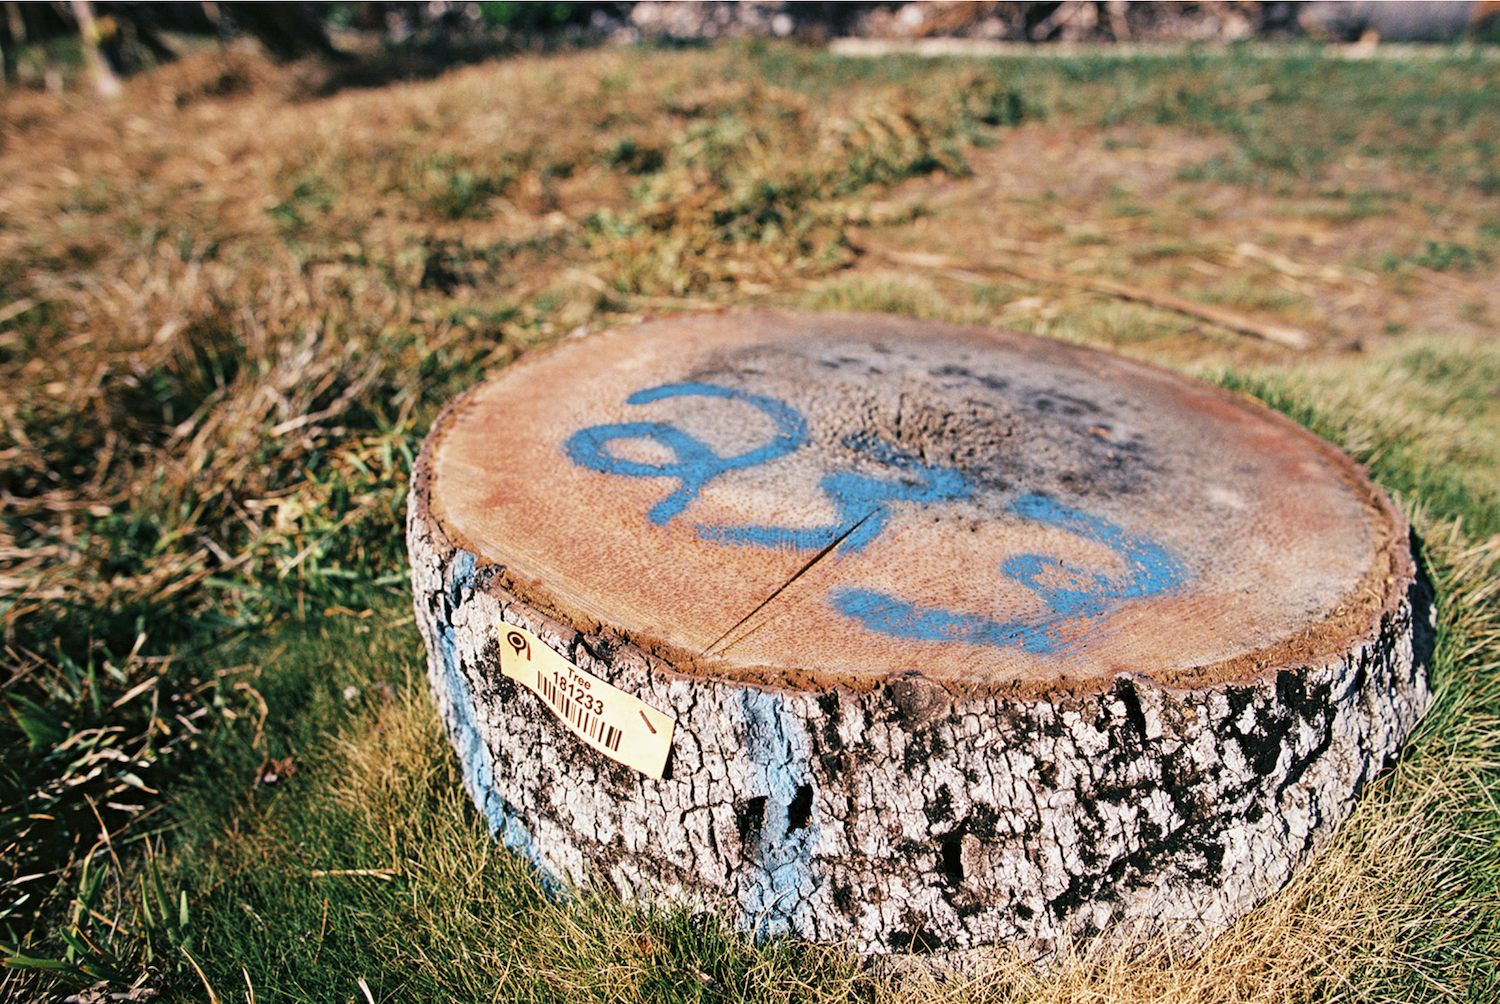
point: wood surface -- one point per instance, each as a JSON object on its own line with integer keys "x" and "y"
{"x": 969, "y": 637}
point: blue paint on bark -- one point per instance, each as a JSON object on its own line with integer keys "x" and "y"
{"x": 474, "y": 756}
{"x": 781, "y": 876}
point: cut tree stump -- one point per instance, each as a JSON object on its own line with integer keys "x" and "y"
{"x": 907, "y": 635}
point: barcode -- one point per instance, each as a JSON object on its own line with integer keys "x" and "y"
{"x": 590, "y": 726}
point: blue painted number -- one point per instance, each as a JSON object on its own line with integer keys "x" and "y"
{"x": 1069, "y": 595}
{"x": 863, "y": 502}
{"x": 863, "y": 505}
{"x": 696, "y": 464}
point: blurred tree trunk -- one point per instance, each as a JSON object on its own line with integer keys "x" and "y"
{"x": 8, "y": 44}
{"x": 287, "y": 30}
{"x": 8, "y": 57}
{"x": 106, "y": 84}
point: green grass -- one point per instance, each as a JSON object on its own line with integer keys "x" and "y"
{"x": 246, "y": 311}
{"x": 1293, "y": 113}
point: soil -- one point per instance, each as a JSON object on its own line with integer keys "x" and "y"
{"x": 1043, "y": 196}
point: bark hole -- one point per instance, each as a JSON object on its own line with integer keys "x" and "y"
{"x": 749, "y": 815}
{"x": 799, "y": 813}
{"x": 952, "y": 858}
{"x": 1132, "y": 702}
{"x": 917, "y": 942}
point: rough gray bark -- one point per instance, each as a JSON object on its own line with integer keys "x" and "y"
{"x": 903, "y": 819}
{"x": 917, "y": 811}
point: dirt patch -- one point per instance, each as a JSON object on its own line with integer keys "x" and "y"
{"x": 1125, "y": 202}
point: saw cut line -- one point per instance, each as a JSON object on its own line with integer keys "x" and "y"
{"x": 827, "y": 550}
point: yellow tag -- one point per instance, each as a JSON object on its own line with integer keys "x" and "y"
{"x": 620, "y": 726}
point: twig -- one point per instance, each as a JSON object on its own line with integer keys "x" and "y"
{"x": 17, "y": 308}
{"x": 104, "y": 834}
{"x": 135, "y": 691}
{"x": 322, "y": 931}
{"x": 380, "y": 873}
{"x": 1294, "y": 338}
{"x": 260, "y": 724}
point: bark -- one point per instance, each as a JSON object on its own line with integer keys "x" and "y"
{"x": 288, "y": 31}
{"x": 902, "y": 819}
{"x": 8, "y": 64}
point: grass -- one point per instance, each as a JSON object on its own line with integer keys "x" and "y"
{"x": 231, "y": 305}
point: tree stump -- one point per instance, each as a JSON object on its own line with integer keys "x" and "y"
{"x": 907, "y": 635}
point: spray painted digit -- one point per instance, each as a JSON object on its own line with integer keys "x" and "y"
{"x": 1150, "y": 570}
{"x": 696, "y": 463}
{"x": 863, "y": 502}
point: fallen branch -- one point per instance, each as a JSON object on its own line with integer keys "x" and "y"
{"x": 1224, "y": 317}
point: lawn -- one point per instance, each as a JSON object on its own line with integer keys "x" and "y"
{"x": 233, "y": 301}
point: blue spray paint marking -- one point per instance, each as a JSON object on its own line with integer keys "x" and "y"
{"x": 473, "y": 752}
{"x": 863, "y": 504}
{"x": 783, "y": 876}
{"x": 1069, "y": 595}
{"x": 884, "y": 613}
{"x": 460, "y": 576}
{"x": 1152, "y": 569}
{"x": 696, "y": 464}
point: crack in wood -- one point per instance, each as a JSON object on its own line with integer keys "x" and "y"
{"x": 783, "y": 588}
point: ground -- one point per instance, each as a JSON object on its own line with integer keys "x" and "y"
{"x": 232, "y": 302}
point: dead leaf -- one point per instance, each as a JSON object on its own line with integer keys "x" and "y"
{"x": 273, "y": 771}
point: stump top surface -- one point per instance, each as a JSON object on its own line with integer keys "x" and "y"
{"x": 808, "y": 499}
